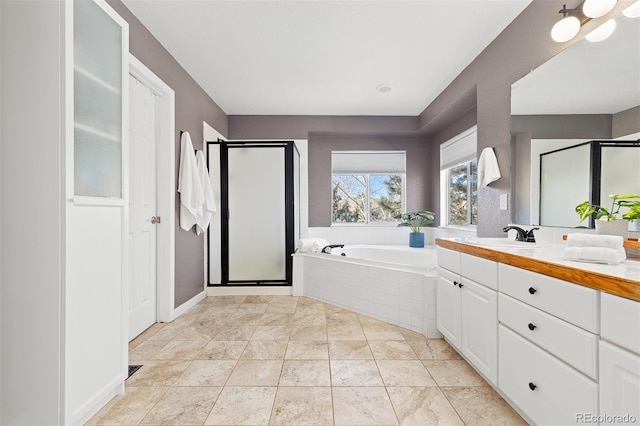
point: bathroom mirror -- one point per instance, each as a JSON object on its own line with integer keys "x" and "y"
{"x": 589, "y": 91}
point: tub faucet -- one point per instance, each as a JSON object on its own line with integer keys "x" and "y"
{"x": 522, "y": 235}
{"x": 327, "y": 249}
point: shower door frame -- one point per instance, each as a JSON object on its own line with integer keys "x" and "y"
{"x": 289, "y": 219}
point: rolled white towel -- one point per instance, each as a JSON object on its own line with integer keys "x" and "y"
{"x": 611, "y": 256}
{"x": 308, "y": 245}
{"x": 594, "y": 240}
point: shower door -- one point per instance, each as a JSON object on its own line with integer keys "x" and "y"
{"x": 257, "y": 212}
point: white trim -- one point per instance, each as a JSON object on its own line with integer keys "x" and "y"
{"x": 250, "y": 291}
{"x": 187, "y": 305}
{"x": 212, "y": 266}
{"x": 166, "y": 172}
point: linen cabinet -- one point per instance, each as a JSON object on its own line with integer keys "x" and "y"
{"x": 64, "y": 215}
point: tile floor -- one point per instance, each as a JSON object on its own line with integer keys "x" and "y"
{"x": 282, "y": 360}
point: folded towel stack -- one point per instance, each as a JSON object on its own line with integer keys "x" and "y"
{"x": 311, "y": 245}
{"x": 595, "y": 248}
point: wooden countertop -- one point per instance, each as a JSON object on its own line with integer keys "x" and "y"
{"x": 619, "y": 286}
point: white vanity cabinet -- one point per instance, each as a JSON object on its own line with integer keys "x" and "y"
{"x": 548, "y": 346}
{"x": 467, "y": 308}
{"x": 620, "y": 360}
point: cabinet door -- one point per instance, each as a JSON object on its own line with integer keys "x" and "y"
{"x": 449, "y": 307}
{"x": 479, "y": 328}
{"x": 619, "y": 382}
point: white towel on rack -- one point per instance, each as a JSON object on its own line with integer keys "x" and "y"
{"x": 209, "y": 205}
{"x": 488, "y": 170}
{"x": 189, "y": 186}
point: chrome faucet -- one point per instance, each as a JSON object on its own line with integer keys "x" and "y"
{"x": 522, "y": 235}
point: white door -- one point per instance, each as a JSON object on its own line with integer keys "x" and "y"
{"x": 142, "y": 208}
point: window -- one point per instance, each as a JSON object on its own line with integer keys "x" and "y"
{"x": 367, "y": 186}
{"x": 462, "y": 197}
{"x": 459, "y": 179}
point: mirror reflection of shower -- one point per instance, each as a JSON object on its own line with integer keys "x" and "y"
{"x": 587, "y": 92}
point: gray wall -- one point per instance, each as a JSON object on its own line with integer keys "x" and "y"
{"x": 522, "y": 46}
{"x": 626, "y": 123}
{"x": 193, "y": 106}
{"x": 299, "y": 126}
{"x": 419, "y": 189}
{"x": 327, "y": 133}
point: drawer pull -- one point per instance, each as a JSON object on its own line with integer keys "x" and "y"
{"x": 532, "y": 290}
{"x": 532, "y": 326}
{"x": 532, "y": 386}
{"x": 460, "y": 285}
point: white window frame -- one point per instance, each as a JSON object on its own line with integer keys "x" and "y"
{"x": 460, "y": 149}
{"x": 367, "y": 175}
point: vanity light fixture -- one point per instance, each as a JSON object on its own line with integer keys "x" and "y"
{"x": 566, "y": 28}
{"x": 602, "y": 32}
{"x": 597, "y": 8}
{"x": 632, "y": 11}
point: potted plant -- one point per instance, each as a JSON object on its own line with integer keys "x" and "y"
{"x": 612, "y": 220}
{"x": 415, "y": 221}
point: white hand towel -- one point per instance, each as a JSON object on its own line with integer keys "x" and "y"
{"x": 594, "y": 240}
{"x": 310, "y": 245}
{"x": 189, "y": 187}
{"x": 595, "y": 254}
{"x": 488, "y": 170}
{"x": 209, "y": 205}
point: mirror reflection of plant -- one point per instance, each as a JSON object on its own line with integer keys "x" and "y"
{"x": 628, "y": 201}
{"x": 416, "y": 220}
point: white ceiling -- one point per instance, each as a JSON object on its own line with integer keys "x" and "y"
{"x": 319, "y": 57}
{"x": 586, "y": 78}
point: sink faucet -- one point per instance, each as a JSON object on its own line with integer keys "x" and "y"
{"x": 522, "y": 235}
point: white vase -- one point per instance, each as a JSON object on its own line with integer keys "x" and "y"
{"x": 634, "y": 225}
{"x": 613, "y": 227}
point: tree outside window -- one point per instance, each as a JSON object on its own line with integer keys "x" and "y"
{"x": 366, "y": 198}
{"x": 463, "y": 194}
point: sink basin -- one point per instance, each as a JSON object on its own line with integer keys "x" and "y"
{"x": 499, "y": 243}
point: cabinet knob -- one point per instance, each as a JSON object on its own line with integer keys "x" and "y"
{"x": 532, "y": 290}
{"x": 532, "y": 386}
{"x": 532, "y": 326}
{"x": 460, "y": 285}
{"x": 455, "y": 283}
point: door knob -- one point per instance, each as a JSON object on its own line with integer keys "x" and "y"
{"x": 155, "y": 220}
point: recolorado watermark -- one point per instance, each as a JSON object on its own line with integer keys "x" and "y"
{"x": 606, "y": 418}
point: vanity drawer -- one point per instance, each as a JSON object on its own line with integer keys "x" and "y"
{"x": 449, "y": 259}
{"x": 548, "y": 391}
{"x": 480, "y": 270}
{"x": 571, "y": 302}
{"x": 621, "y": 321}
{"x": 571, "y": 344}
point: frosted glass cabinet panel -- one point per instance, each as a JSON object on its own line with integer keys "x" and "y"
{"x": 98, "y": 102}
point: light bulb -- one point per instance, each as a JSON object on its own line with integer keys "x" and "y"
{"x": 632, "y": 11}
{"x": 597, "y": 8}
{"x": 565, "y": 29}
{"x": 602, "y": 32}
